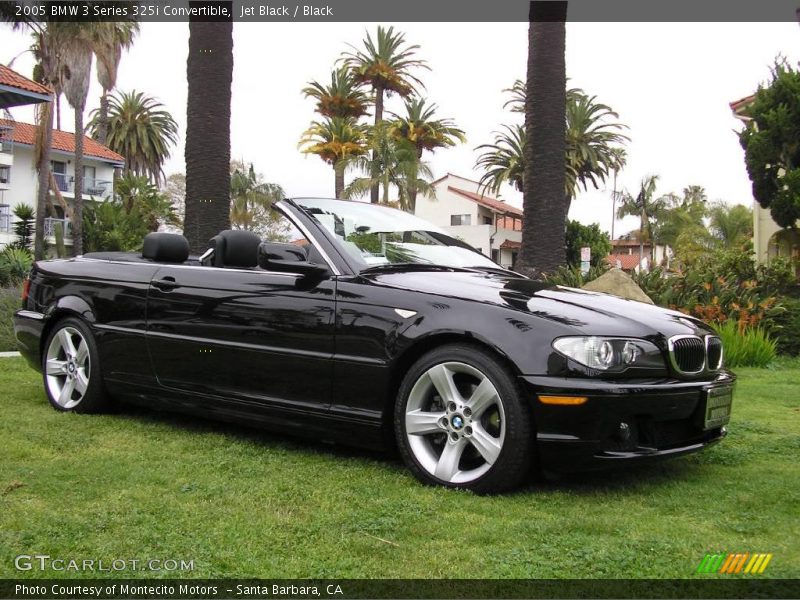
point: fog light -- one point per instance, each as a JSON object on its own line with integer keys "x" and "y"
{"x": 624, "y": 431}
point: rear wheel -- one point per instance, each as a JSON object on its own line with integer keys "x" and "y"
{"x": 460, "y": 421}
{"x": 71, "y": 369}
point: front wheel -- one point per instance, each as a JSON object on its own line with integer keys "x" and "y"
{"x": 460, "y": 422}
{"x": 71, "y": 369}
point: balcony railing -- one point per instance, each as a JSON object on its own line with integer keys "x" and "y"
{"x": 5, "y": 223}
{"x": 98, "y": 188}
{"x": 50, "y": 227}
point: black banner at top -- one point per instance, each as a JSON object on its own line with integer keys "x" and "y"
{"x": 368, "y": 11}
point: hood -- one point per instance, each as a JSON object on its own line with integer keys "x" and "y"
{"x": 584, "y": 312}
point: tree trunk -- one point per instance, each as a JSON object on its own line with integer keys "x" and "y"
{"x": 43, "y": 176}
{"x": 338, "y": 178}
{"x": 77, "y": 211}
{"x": 374, "y": 194}
{"x": 58, "y": 111}
{"x": 642, "y": 219}
{"x": 102, "y": 118}
{"x": 544, "y": 203}
{"x": 209, "y": 72}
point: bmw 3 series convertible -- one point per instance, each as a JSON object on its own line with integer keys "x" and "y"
{"x": 360, "y": 324}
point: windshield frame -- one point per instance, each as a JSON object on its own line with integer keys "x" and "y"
{"x": 322, "y": 236}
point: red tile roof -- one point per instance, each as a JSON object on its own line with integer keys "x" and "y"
{"x": 510, "y": 245}
{"x": 628, "y": 262}
{"x": 15, "y": 80}
{"x": 487, "y": 201}
{"x": 25, "y": 133}
{"x": 629, "y": 243}
{"x": 741, "y": 103}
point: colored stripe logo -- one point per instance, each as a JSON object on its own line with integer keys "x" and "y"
{"x": 735, "y": 562}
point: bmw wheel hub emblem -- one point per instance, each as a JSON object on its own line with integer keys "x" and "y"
{"x": 457, "y": 422}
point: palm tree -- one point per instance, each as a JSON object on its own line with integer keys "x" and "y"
{"x": 209, "y": 72}
{"x": 393, "y": 162}
{"x": 76, "y": 47}
{"x": 593, "y": 142}
{"x": 644, "y": 205}
{"x": 142, "y": 199}
{"x": 140, "y": 130}
{"x": 386, "y": 65}
{"x": 336, "y": 140}
{"x": 251, "y": 198}
{"x": 109, "y": 43}
{"x": 731, "y": 224}
{"x": 503, "y": 160}
{"x": 545, "y": 207}
{"x": 425, "y": 132}
{"x": 341, "y": 98}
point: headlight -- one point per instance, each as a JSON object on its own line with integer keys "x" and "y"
{"x": 610, "y": 354}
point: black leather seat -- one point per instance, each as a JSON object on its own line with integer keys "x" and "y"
{"x": 235, "y": 248}
{"x": 165, "y": 247}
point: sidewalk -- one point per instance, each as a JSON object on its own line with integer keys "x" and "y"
{"x": 8, "y": 354}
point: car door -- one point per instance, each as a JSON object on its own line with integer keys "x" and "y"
{"x": 243, "y": 335}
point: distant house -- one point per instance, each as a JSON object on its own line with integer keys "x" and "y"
{"x": 769, "y": 238}
{"x": 478, "y": 218}
{"x": 18, "y": 178}
{"x": 625, "y": 255}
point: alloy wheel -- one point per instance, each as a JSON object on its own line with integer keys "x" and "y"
{"x": 67, "y": 367}
{"x": 455, "y": 422}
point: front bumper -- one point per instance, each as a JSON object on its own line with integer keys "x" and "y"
{"x": 622, "y": 422}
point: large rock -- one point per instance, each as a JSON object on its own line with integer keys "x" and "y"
{"x": 618, "y": 283}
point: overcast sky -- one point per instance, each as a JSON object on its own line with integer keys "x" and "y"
{"x": 670, "y": 83}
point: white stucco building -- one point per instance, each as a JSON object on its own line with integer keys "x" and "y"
{"x": 19, "y": 180}
{"x": 478, "y": 218}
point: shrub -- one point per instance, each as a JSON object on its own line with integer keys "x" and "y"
{"x": 572, "y": 276}
{"x": 721, "y": 286}
{"x": 785, "y": 327}
{"x": 746, "y": 346}
{"x": 15, "y": 264}
{"x": 9, "y": 302}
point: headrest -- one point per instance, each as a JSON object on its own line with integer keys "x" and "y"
{"x": 165, "y": 247}
{"x": 235, "y": 248}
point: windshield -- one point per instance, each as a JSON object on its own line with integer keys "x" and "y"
{"x": 377, "y": 235}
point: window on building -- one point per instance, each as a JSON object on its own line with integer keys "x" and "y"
{"x": 487, "y": 220}
{"x": 5, "y": 174}
{"x": 460, "y": 219}
{"x": 60, "y": 174}
{"x": 89, "y": 175}
{"x": 5, "y": 218}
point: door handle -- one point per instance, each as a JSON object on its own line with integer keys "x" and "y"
{"x": 165, "y": 284}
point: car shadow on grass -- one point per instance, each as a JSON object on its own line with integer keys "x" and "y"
{"x": 625, "y": 480}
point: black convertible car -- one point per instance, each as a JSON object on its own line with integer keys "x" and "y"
{"x": 369, "y": 326}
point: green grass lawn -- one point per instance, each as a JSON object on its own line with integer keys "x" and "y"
{"x": 242, "y": 503}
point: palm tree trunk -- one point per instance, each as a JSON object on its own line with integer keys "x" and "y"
{"x": 209, "y": 72}
{"x": 338, "y": 178}
{"x": 77, "y": 212}
{"x": 545, "y": 206}
{"x": 374, "y": 193}
{"x": 102, "y": 119}
{"x": 44, "y": 177}
{"x": 58, "y": 111}
{"x": 642, "y": 219}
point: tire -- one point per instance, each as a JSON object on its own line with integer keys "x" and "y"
{"x": 71, "y": 369}
{"x": 461, "y": 422}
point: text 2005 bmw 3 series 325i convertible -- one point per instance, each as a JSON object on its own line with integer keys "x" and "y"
{"x": 367, "y": 325}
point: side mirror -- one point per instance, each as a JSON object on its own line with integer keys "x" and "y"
{"x": 288, "y": 258}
